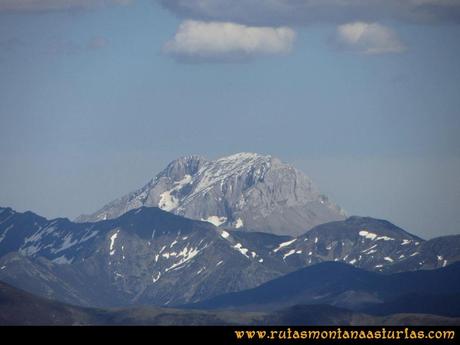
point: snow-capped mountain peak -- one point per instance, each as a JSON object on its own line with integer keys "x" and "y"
{"x": 244, "y": 191}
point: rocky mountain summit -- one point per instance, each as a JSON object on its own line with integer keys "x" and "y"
{"x": 245, "y": 191}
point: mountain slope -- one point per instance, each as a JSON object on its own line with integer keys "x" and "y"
{"x": 340, "y": 285}
{"x": 371, "y": 244}
{"x": 243, "y": 191}
{"x": 18, "y": 307}
{"x": 149, "y": 256}
{"x": 364, "y": 242}
{"x": 21, "y": 308}
{"x": 146, "y": 256}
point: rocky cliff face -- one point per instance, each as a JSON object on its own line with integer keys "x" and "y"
{"x": 244, "y": 191}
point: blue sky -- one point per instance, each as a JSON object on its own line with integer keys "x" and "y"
{"x": 95, "y": 101}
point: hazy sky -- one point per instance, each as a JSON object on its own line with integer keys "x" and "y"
{"x": 96, "y": 97}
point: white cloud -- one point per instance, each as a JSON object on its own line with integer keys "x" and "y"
{"x": 224, "y": 41}
{"x": 369, "y": 38}
{"x": 56, "y": 5}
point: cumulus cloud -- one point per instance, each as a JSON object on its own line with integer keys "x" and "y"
{"x": 56, "y": 5}
{"x": 225, "y": 41}
{"x": 368, "y": 38}
{"x": 301, "y": 12}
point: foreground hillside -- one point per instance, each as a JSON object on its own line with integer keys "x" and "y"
{"x": 21, "y": 308}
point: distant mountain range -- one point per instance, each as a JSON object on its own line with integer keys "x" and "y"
{"x": 242, "y": 232}
{"x": 149, "y": 256}
{"x": 245, "y": 191}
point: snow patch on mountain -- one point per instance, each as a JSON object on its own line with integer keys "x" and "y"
{"x": 168, "y": 201}
{"x": 112, "y": 242}
{"x": 187, "y": 255}
{"x": 239, "y": 223}
{"x": 156, "y": 278}
{"x": 225, "y": 234}
{"x": 384, "y": 238}
{"x": 215, "y": 220}
{"x": 368, "y": 235}
{"x": 239, "y": 247}
{"x": 284, "y": 244}
{"x": 292, "y": 251}
{"x": 68, "y": 242}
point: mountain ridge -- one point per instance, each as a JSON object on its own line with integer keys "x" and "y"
{"x": 245, "y": 191}
{"x": 151, "y": 256}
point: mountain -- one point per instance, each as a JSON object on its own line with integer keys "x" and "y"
{"x": 18, "y": 307}
{"x": 435, "y": 253}
{"x": 146, "y": 256}
{"x": 339, "y": 285}
{"x": 369, "y": 243}
{"x": 245, "y": 191}
{"x": 149, "y": 256}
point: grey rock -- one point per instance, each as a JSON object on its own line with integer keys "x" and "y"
{"x": 244, "y": 191}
